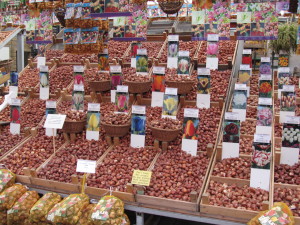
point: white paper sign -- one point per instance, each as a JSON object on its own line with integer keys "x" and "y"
{"x": 95, "y": 107}
{"x": 184, "y": 53}
{"x": 240, "y": 86}
{"x": 86, "y": 166}
{"x": 159, "y": 70}
{"x": 133, "y": 62}
{"x": 212, "y": 37}
{"x": 142, "y": 51}
{"x": 231, "y": 116}
{"x": 265, "y": 77}
{"x": 122, "y": 88}
{"x": 173, "y": 38}
{"x": 262, "y": 138}
{"x": 113, "y": 96}
{"x": 78, "y": 87}
{"x": 13, "y": 91}
{"x": 212, "y": 63}
{"x": 289, "y": 156}
{"x": 189, "y": 146}
{"x": 115, "y": 69}
{"x": 51, "y": 104}
{"x": 92, "y": 135}
{"x": 15, "y": 101}
{"x": 137, "y": 141}
{"x": 172, "y": 62}
{"x": 50, "y": 132}
{"x": 230, "y": 150}
{"x": 157, "y": 99}
{"x": 44, "y": 69}
{"x": 242, "y": 114}
{"x": 247, "y": 51}
{"x": 203, "y": 71}
{"x": 284, "y": 114}
{"x": 284, "y": 70}
{"x": 78, "y": 69}
{"x": 55, "y": 121}
{"x": 260, "y": 178}
{"x": 171, "y": 91}
{"x": 265, "y": 101}
{"x": 288, "y": 88}
{"x": 292, "y": 119}
{"x": 41, "y": 61}
{"x": 265, "y": 59}
{"x": 44, "y": 93}
{"x": 15, "y": 128}
{"x": 189, "y": 112}
{"x": 263, "y": 130}
{"x": 138, "y": 109}
{"x": 203, "y": 101}
{"x": 245, "y": 67}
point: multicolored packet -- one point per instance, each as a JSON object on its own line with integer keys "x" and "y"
{"x": 69, "y": 210}
{"x": 109, "y": 210}
{"x": 41, "y": 208}
{"x": 280, "y": 214}
{"x": 7, "y": 179}
{"x": 86, "y": 215}
{"x": 10, "y": 195}
{"x": 21, "y": 209}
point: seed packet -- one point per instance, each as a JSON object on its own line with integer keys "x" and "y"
{"x": 265, "y": 88}
{"x": 170, "y": 105}
{"x": 122, "y": 102}
{"x": 231, "y": 131}
{"x": 291, "y": 135}
{"x": 69, "y": 36}
{"x": 264, "y": 115}
{"x": 239, "y": 99}
{"x": 78, "y": 100}
{"x": 288, "y": 101}
{"x": 203, "y": 86}
{"x": 261, "y": 156}
{"x": 86, "y": 11}
{"x": 70, "y": 11}
{"x": 78, "y": 11}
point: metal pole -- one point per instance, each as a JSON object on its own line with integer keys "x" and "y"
{"x": 20, "y": 52}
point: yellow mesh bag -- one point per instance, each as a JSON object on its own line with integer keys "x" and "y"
{"x": 7, "y": 179}
{"x": 86, "y": 214}
{"x": 10, "y": 195}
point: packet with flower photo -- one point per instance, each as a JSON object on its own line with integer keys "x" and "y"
{"x": 173, "y": 48}
{"x": 244, "y": 77}
{"x": 122, "y": 102}
{"x": 265, "y": 68}
{"x": 170, "y": 105}
{"x": 265, "y": 88}
{"x": 183, "y": 63}
{"x": 116, "y": 76}
{"x": 203, "y": 86}
{"x": 103, "y": 62}
{"x": 284, "y": 77}
{"x": 261, "y": 156}
{"x": 44, "y": 82}
{"x": 239, "y": 99}
{"x": 212, "y": 49}
{"x": 77, "y": 100}
{"x": 264, "y": 115}
{"x": 231, "y": 131}
{"x": 288, "y": 101}
{"x": 141, "y": 63}
{"x": 78, "y": 75}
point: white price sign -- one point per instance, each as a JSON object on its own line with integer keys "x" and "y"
{"x": 78, "y": 69}
{"x": 184, "y": 53}
{"x": 284, "y": 70}
{"x": 44, "y": 69}
{"x": 247, "y": 51}
{"x": 289, "y": 88}
{"x": 212, "y": 37}
{"x": 245, "y": 67}
{"x": 265, "y": 59}
{"x": 265, "y": 101}
{"x": 171, "y": 91}
{"x": 173, "y": 38}
{"x": 292, "y": 119}
{"x": 55, "y": 121}
{"x": 138, "y": 109}
{"x": 115, "y": 69}
{"x": 51, "y": 104}
{"x": 265, "y": 77}
{"x": 262, "y": 138}
{"x": 142, "y": 51}
{"x": 122, "y": 88}
{"x": 15, "y": 101}
{"x": 240, "y": 87}
{"x": 194, "y": 113}
{"x": 95, "y": 107}
{"x": 231, "y": 116}
{"x": 203, "y": 71}
{"x": 78, "y": 87}
{"x": 159, "y": 70}
{"x": 41, "y": 61}
{"x": 86, "y": 166}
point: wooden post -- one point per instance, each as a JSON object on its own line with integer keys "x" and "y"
{"x": 116, "y": 141}
{"x": 108, "y": 140}
{"x": 219, "y": 153}
{"x": 140, "y": 190}
{"x": 66, "y": 137}
{"x": 74, "y": 179}
{"x": 73, "y": 137}
{"x": 26, "y": 171}
{"x": 182, "y": 101}
{"x": 33, "y": 173}
{"x": 265, "y": 205}
{"x": 139, "y": 99}
{"x": 156, "y": 144}
{"x": 33, "y": 131}
{"x": 193, "y": 196}
{"x": 129, "y": 188}
{"x": 210, "y": 149}
{"x": 164, "y": 146}
{"x": 205, "y": 199}
{"x": 277, "y": 158}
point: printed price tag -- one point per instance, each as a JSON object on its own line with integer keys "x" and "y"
{"x": 141, "y": 177}
{"x": 78, "y": 69}
{"x": 203, "y": 71}
{"x": 41, "y": 61}
{"x": 265, "y": 101}
{"x": 142, "y": 51}
{"x": 265, "y": 59}
{"x": 16, "y": 101}
{"x": 55, "y": 121}
{"x": 173, "y": 38}
{"x": 289, "y": 88}
{"x": 171, "y": 91}
{"x": 86, "y": 166}
{"x": 122, "y": 88}
{"x": 292, "y": 119}
{"x": 231, "y": 116}
{"x": 240, "y": 87}
{"x": 51, "y": 104}
{"x": 262, "y": 138}
{"x": 194, "y": 113}
{"x": 138, "y": 109}
{"x": 265, "y": 77}
{"x": 247, "y": 51}
{"x": 184, "y": 53}
{"x": 159, "y": 70}
{"x": 245, "y": 67}
{"x": 44, "y": 69}
{"x": 284, "y": 70}
{"x": 94, "y": 107}
{"x": 115, "y": 69}
{"x": 212, "y": 37}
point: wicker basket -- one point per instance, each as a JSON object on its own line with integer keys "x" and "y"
{"x": 182, "y": 87}
{"x": 100, "y": 85}
{"x": 74, "y": 126}
{"x": 138, "y": 87}
{"x": 164, "y": 134}
{"x": 170, "y": 7}
{"x": 116, "y": 130}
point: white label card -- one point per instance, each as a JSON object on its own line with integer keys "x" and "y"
{"x": 44, "y": 93}
{"x": 284, "y": 70}
{"x": 212, "y": 37}
{"x": 92, "y": 135}
{"x": 265, "y": 77}
{"x": 44, "y": 68}
{"x": 113, "y": 96}
{"x": 189, "y": 146}
{"x": 289, "y": 156}
{"x": 137, "y": 141}
{"x": 230, "y": 150}
{"x": 247, "y": 51}
{"x": 171, "y": 91}
{"x": 292, "y": 119}
{"x": 157, "y": 99}
{"x": 172, "y": 62}
{"x": 262, "y": 138}
{"x": 41, "y": 61}
{"x": 203, "y": 101}
{"x": 139, "y": 109}
{"x": 142, "y": 51}
{"x": 51, "y": 104}
{"x": 184, "y": 53}
{"x": 289, "y": 88}
{"x": 159, "y": 70}
{"x": 245, "y": 67}
{"x": 78, "y": 87}
{"x": 203, "y": 71}
{"x": 78, "y": 69}
{"x": 86, "y": 166}
{"x": 55, "y": 121}
{"x": 133, "y": 62}
{"x": 260, "y": 178}
{"x": 188, "y": 112}
{"x": 212, "y": 63}
{"x": 95, "y": 107}
{"x": 173, "y": 38}
{"x": 231, "y": 116}
{"x": 265, "y": 59}
{"x": 122, "y": 88}
{"x": 115, "y": 69}
{"x": 16, "y": 101}
{"x": 240, "y": 87}
{"x": 265, "y": 101}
